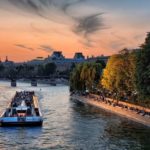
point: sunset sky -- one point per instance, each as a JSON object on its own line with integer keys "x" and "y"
{"x": 32, "y": 28}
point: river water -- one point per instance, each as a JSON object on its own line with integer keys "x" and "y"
{"x": 69, "y": 126}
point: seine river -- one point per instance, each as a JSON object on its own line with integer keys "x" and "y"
{"x": 68, "y": 126}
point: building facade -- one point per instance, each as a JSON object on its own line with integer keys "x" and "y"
{"x": 57, "y": 57}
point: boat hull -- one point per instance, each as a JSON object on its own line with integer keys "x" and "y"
{"x": 10, "y": 124}
{"x": 15, "y": 121}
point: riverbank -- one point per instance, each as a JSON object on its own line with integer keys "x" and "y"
{"x": 121, "y": 111}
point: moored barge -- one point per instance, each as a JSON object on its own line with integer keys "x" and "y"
{"x": 23, "y": 110}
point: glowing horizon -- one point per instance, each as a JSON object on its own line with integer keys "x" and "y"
{"x": 34, "y": 28}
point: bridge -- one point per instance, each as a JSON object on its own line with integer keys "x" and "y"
{"x": 38, "y": 77}
{"x": 34, "y": 79}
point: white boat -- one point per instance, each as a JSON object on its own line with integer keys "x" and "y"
{"x": 23, "y": 110}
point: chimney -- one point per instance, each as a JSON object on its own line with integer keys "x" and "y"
{"x": 6, "y": 59}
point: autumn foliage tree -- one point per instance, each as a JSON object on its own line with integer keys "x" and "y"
{"x": 119, "y": 74}
{"x": 128, "y": 74}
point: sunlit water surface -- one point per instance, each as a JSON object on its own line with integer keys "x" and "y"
{"x": 69, "y": 126}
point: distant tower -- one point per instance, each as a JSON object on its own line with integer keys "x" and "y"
{"x": 6, "y": 59}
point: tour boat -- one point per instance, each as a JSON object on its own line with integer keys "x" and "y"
{"x": 23, "y": 110}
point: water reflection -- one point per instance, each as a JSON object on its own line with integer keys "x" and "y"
{"x": 68, "y": 125}
{"x": 109, "y": 131}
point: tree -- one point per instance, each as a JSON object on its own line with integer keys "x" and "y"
{"x": 85, "y": 76}
{"x": 76, "y": 84}
{"x": 103, "y": 64}
{"x": 12, "y": 73}
{"x": 40, "y": 70}
{"x": 73, "y": 65}
{"x": 108, "y": 77}
{"x": 2, "y": 68}
{"x": 143, "y": 68}
{"x": 49, "y": 69}
{"x": 119, "y": 74}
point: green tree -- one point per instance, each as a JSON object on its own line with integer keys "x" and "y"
{"x": 40, "y": 70}
{"x": 12, "y": 73}
{"x": 103, "y": 64}
{"x": 2, "y": 67}
{"x": 143, "y": 69}
{"x": 49, "y": 69}
{"x": 73, "y": 65}
{"x": 76, "y": 84}
{"x": 85, "y": 76}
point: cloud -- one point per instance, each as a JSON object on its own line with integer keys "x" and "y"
{"x": 43, "y": 7}
{"x": 23, "y": 46}
{"x": 57, "y": 11}
{"x": 52, "y": 10}
{"x": 117, "y": 45}
{"x": 68, "y": 4}
{"x": 46, "y": 48}
{"x": 88, "y": 42}
{"x": 30, "y": 6}
{"x": 89, "y": 25}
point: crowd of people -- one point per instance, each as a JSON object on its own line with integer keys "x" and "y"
{"x": 114, "y": 103}
{"x": 102, "y": 98}
{"x": 22, "y": 96}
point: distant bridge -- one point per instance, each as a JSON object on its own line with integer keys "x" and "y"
{"x": 39, "y": 77}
